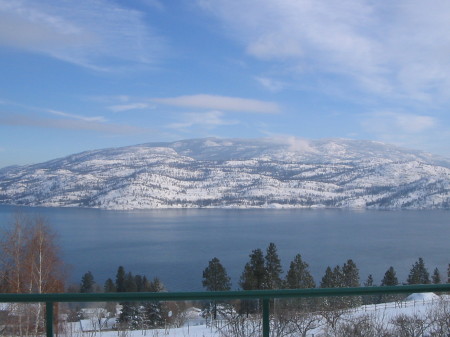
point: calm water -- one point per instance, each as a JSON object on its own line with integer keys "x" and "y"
{"x": 176, "y": 245}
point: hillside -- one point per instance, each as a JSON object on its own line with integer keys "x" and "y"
{"x": 235, "y": 173}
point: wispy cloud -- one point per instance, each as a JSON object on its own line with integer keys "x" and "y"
{"x": 271, "y": 84}
{"x": 99, "y": 34}
{"x": 209, "y": 120}
{"x": 406, "y": 129}
{"x": 73, "y": 116}
{"x": 14, "y": 119}
{"x": 131, "y": 106}
{"x": 220, "y": 103}
{"x": 153, "y": 4}
{"x": 387, "y": 122}
{"x": 397, "y": 49}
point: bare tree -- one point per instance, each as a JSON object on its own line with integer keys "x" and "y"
{"x": 30, "y": 262}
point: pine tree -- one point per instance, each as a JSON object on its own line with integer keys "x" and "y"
{"x": 87, "y": 283}
{"x": 390, "y": 278}
{"x": 350, "y": 279}
{"x": 338, "y": 277}
{"x": 350, "y": 274}
{"x": 109, "y": 286}
{"x": 436, "y": 278}
{"x": 369, "y": 281}
{"x": 120, "y": 280}
{"x": 273, "y": 269}
{"x": 418, "y": 273}
{"x": 215, "y": 277}
{"x": 130, "y": 283}
{"x": 328, "y": 279}
{"x": 298, "y": 275}
{"x": 155, "y": 312}
{"x": 253, "y": 278}
{"x": 130, "y": 317}
{"x": 139, "y": 282}
{"x": 333, "y": 279}
{"x": 369, "y": 299}
{"x": 254, "y": 273}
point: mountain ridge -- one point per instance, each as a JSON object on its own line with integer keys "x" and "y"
{"x": 241, "y": 173}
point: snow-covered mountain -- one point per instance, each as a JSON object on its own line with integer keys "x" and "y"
{"x": 235, "y": 173}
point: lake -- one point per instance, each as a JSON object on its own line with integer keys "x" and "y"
{"x": 176, "y": 245}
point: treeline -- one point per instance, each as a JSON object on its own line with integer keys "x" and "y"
{"x": 264, "y": 271}
{"x": 132, "y": 315}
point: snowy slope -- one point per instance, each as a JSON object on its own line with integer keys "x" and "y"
{"x": 235, "y": 173}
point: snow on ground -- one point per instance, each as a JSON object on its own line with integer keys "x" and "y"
{"x": 415, "y": 304}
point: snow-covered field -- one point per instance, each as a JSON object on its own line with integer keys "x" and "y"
{"x": 418, "y": 310}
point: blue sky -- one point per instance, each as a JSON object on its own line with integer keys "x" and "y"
{"x": 90, "y": 74}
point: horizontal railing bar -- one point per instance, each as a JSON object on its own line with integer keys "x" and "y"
{"x": 219, "y": 295}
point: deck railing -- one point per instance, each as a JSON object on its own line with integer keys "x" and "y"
{"x": 264, "y": 295}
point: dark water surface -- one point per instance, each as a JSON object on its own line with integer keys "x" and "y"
{"x": 176, "y": 245}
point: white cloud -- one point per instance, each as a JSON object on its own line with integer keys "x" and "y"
{"x": 210, "y": 119}
{"x": 295, "y": 144}
{"x": 96, "y": 34}
{"x": 220, "y": 103}
{"x": 153, "y": 4}
{"x": 131, "y": 106}
{"x": 15, "y": 119}
{"x": 408, "y": 130}
{"x": 270, "y": 84}
{"x": 398, "y": 49}
{"x": 397, "y": 123}
{"x": 73, "y": 116}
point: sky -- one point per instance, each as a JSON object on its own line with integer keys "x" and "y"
{"x": 91, "y": 74}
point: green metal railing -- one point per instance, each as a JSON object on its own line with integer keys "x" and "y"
{"x": 264, "y": 295}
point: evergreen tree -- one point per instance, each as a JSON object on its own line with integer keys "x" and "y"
{"x": 87, "y": 283}
{"x": 157, "y": 286}
{"x": 436, "y": 278}
{"x": 390, "y": 278}
{"x": 131, "y": 317}
{"x": 350, "y": 274}
{"x": 120, "y": 280}
{"x": 253, "y": 278}
{"x": 215, "y": 277}
{"x": 338, "y": 277}
{"x": 448, "y": 273}
{"x": 109, "y": 286}
{"x": 155, "y": 312}
{"x": 130, "y": 283}
{"x": 254, "y": 273}
{"x": 418, "y": 273}
{"x": 350, "y": 279}
{"x": 139, "y": 282}
{"x": 298, "y": 275}
{"x": 333, "y": 279}
{"x": 369, "y": 281}
{"x": 369, "y": 299}
{"x": 273, "y": 268}
{"x": 328, "y": 279}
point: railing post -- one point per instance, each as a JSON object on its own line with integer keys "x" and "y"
{"x": 49, "y": 318}
{"x": 266, "y": 317}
